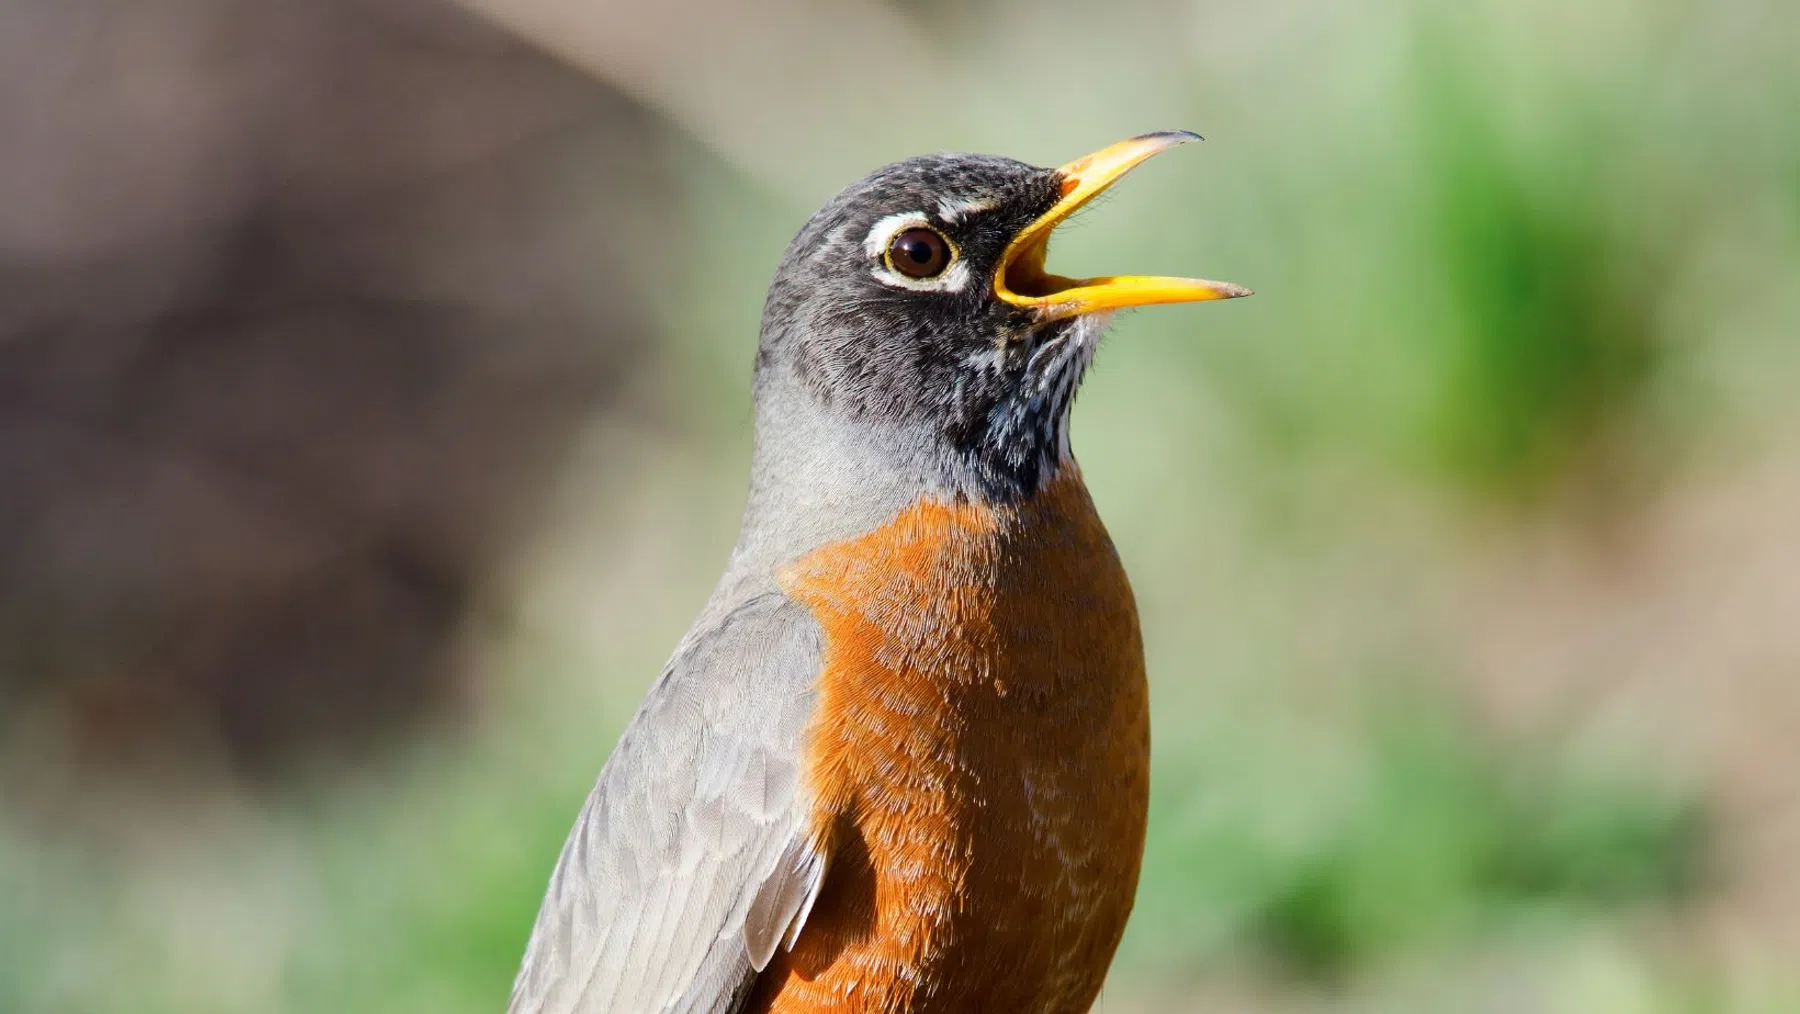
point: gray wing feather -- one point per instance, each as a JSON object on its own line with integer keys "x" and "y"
{"x": 690, "y": 860}
{"x": 783, "y": 902}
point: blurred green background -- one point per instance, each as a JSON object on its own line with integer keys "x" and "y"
{"x": 374, "y": 417}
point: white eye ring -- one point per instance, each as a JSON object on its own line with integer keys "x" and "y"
{"x": 952, "y": 212}
{"x": 954, "y": 278}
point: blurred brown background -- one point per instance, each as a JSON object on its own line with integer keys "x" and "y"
{"x": 374, "y": 416}
{"x": 300, "y": 312}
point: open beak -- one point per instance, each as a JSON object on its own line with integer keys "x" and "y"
{"x": 1022, "y": 280}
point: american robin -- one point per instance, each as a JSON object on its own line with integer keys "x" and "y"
{"x": 900, "y": 762}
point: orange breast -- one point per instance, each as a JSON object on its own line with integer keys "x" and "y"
{"x": 980, "y": 761}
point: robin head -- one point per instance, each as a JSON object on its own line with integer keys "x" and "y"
{"x": 913, "y": 330}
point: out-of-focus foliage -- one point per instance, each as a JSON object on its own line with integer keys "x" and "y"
{"x": 1435, "y": 832}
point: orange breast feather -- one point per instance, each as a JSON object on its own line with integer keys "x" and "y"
{"x": 980, "y": 762}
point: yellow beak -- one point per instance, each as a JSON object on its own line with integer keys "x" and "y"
{"x": 1022, "y": 280}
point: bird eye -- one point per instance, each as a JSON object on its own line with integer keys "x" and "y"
{"x": 918, "y": 253}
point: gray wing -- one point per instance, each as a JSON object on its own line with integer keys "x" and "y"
{"x": 690, "y": 861}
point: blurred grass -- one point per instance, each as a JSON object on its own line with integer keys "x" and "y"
{"x": 1428, "y": 831}
{"x": 1485, "y": 279}
{"x": 1549, "y": 335}
{"x": 413, "y": 890}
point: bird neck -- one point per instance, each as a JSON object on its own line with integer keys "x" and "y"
{"x": 818, "y": 479}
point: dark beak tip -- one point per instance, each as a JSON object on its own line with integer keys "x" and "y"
{"x": 1170, "y": 136}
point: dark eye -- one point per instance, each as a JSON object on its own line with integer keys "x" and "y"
{"x": 918, "y": 253}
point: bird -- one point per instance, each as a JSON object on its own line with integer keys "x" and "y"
{"x": 900, "y": 762}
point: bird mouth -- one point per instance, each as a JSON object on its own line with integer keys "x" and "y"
{"x": 1023, "y": 281}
